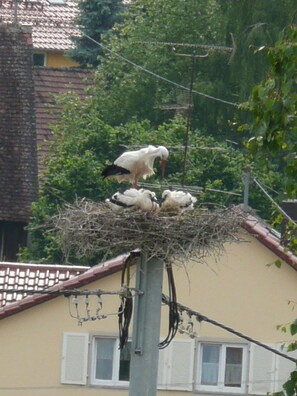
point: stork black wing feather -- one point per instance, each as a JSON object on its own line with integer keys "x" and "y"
{"x": 114, "y": 170}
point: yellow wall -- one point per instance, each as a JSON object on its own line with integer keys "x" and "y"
{"x": 239, "y": 290}
{"x": 58, "y": 59}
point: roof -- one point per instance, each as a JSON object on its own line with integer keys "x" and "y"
{"x": 33, "y": 277}
{"x": 52, "y": 22}
{"x": 83, "y": 276}
{"x": 269, "y": 238}
{"x": 253, "y": 225}
{"x": 49, "y": 82}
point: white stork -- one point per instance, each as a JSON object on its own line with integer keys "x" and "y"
{"x": 148, "y": 201}
{"x": 133, "y": 165}
{"x": 133, "y": 199}
{"x": 126, "y": 200}
{"x": 180, "y": 201}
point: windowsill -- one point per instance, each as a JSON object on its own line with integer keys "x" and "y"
{"x": 109, "y": 386}
{"x": 212, "y": 390}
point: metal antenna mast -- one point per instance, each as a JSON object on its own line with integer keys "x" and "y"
{"x": 189, "y": 111}
{"x": 188, "y": 107}
{"x": 15, "y": 12}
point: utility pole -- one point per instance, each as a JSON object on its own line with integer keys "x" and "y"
{"x": 247, "y": 180}
{"x": 146, "y": 328}
{"x": 189, "y": 111}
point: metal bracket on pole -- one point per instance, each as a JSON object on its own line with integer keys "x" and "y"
{"x": 146, "y": 328}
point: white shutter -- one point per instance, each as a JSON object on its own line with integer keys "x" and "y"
{"x": 284, "y": 367}
{"x": 162, "y": 368}
{"x": 181, "y": 364}
{"x": 262, "y": 370}
{"x": 74, "y": 358}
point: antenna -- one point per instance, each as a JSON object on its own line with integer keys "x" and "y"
{"x": 188, "y": 106}
{"x": 15, "y": 12}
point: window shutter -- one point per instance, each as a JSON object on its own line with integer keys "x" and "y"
{"x": 162, "y": 368}
{"x": 284, "y": 368}
{"x": 181, "y": 364}
{"x": 262, "y": 370}
{"x": 74, "y": 358}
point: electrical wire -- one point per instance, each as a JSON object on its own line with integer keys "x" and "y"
{"x": 157, "y": 75}
{"x": 202, "y": 318}
{"x": 274, "y": 203}
{"x": 173, "y": 319}
{"x": 126, "y": 60}
{"x": 126, "y": 306}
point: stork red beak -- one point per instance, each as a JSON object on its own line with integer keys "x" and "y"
{"x": 163, "y": 166}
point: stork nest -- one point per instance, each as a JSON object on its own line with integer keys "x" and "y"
{"x": 90, "y": 229}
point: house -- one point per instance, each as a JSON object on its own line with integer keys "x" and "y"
{"x": 48, "y": 347}
{"x": 52, "y": 25}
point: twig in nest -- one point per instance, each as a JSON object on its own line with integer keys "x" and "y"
{"x": 87, "y": 228}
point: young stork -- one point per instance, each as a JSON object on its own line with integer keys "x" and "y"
{"x": 177, "y": 200}
{"x": 133, "y": 199}
{"x": 126, "y": 200}
{"x": 134, "y": 165}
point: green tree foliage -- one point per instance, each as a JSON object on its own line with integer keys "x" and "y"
{"x": 147, "y": 24}
{"x": 273, "y": 106}
{"x": 96, "y": 18}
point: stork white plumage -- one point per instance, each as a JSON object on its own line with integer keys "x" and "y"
{"x": 124, "y": 200}
{"x": 177, "y": 200}
{"x": 148, "y": 201}
{"x": 133, "y": 199}
{"x": 134, "y": 165}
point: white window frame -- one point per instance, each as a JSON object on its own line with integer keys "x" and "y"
{"x": 114, "y": 382}
{"x": 221, "y": 387}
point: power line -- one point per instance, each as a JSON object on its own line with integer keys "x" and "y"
{"x": 149, "y": 71}
{"x": 165, "y": 299}
{"x": 202, "y": 318}
{"x": 274, "y": 203}
{"x": 157, "y": 75}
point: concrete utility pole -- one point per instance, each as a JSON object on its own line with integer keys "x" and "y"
{"x": 146, "y": 328}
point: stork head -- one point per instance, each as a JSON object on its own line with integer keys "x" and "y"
{"x": 165, "y": 195}
{"x": 163, "y": 154}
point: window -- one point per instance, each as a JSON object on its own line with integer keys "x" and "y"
{"x": 39, "y": 59}
{"x": 222, "y": 367}
{"x": 110, "y": 365}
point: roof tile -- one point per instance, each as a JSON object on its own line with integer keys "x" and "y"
{"x": 32, "y": 277}
{"x": 52, "y": 25}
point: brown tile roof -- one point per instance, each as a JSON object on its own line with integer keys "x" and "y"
{"x": 52, "y": 24}
{"x": 86, "y": 276}
{"x": 49, "y": 82}
{"x": 254, "y": 226}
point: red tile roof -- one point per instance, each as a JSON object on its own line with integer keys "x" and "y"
{"x": 270, "y": 239}
{"x": 32, "y": 277}
{"x": 84, "y": 276}
{"x": 49, "y": 82}
{"x": 52, "y": 24}
{"x": 255, "y": 226}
